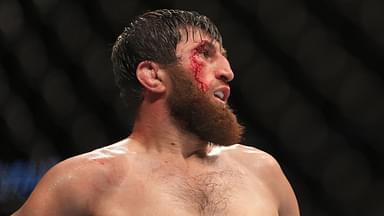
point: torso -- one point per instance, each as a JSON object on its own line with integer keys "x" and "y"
{"x": 150, "y": 186}
{"x": 155, "y": 187}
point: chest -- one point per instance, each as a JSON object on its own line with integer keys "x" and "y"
{"x": 209, "y": 193}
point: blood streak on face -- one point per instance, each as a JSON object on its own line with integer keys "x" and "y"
{"x": 197, "y": 67}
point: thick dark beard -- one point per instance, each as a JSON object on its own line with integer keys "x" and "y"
{"x": 197, "y": 113}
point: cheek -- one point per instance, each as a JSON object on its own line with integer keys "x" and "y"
{"x": 197, "y": 68}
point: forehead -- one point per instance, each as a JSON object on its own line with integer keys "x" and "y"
{"x": 192, "y": 38}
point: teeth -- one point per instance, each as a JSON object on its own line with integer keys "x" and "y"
{"x": 219, "y": 94}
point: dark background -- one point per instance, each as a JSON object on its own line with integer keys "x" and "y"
{"x": 309, "y": 88}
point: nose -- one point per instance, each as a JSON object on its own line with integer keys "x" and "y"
{"x": 224, "y": 71}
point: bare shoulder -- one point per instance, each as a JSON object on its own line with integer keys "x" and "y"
{"x": 70, "y": 187}
{"x": 260, "y": 163}
{"x": 252, "y": 158}
{"x": 265, "y": 168}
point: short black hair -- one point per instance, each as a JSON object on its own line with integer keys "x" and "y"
{"x": 153, "y": 36}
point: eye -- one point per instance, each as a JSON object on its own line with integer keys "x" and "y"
{"x": 205, "y": 52}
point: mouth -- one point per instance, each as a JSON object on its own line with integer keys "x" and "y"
{"x": 222, "y": 94}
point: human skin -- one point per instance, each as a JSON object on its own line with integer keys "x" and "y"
{"x": 203, "y": 51}
{"x": 207, "y": 61}
{"x": 163, "y": 170}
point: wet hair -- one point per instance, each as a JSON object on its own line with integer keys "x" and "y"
{"x": 153, "y": 36}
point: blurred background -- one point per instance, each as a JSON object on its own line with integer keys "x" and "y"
{"x": 308, "y": 87}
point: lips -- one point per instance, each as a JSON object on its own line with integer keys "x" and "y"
{"x": 222, "y": 93}
{"x": 219, "y": 94}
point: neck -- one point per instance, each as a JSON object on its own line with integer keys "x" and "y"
{"x": 157, "y": 132}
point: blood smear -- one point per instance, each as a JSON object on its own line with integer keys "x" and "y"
{"x": 197, "y": 67}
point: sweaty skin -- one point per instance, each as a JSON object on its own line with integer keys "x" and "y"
{"x": 235, "y": 180}
{"x": 162, "y": 170}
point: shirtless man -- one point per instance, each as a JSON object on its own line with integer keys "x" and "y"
{"x": 181, "y": 157}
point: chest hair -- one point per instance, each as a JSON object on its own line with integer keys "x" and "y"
{"x": 208, "y": 193}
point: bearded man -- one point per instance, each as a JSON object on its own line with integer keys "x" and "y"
{"x": 183, "y": 156}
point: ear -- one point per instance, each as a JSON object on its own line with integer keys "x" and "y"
{"x": 149, "y": 75}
